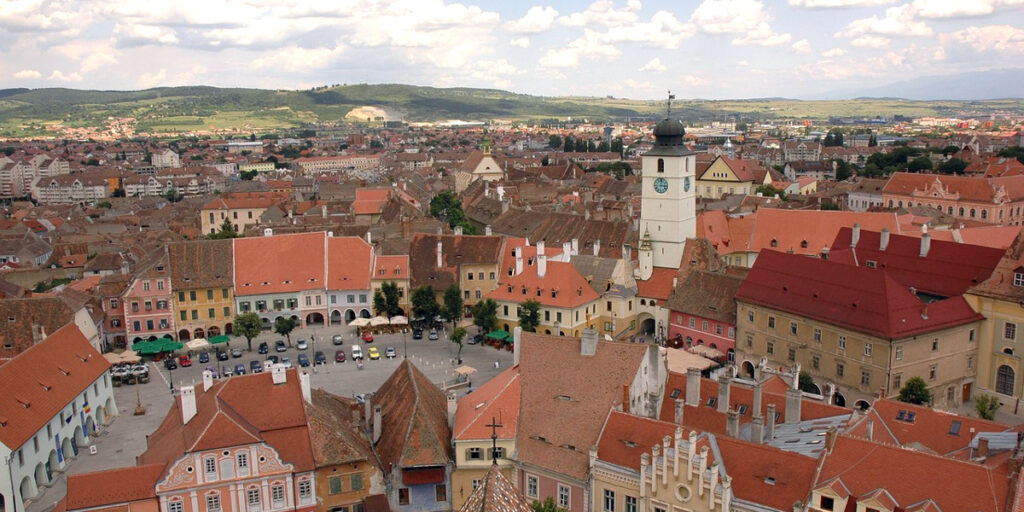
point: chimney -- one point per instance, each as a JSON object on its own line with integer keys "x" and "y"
{"x": 439, "y": 244}
{"x": 924, "y": 228}
{"x": 188, "y": 404}
{"x": 830, "y": 439}
{"x": 869, "y": 427}
{"x": 692, "y": 387}
{"x": 586, "y": 214}
{"x": 323, "y": 210}
{"x": 207, "y": 380}
{"x": 625, "y": 398}
{"x": 597, "y": 247}
{"x": 458, "y": 230}
{"x": 268, "y": 232}
{"x": 453, "y": 406}
{"x": 926, "y": 244}
{"x": 125, "y": 268}
{"x": 666, "y": 443}
{"x": 884, "y": 242}
{"x": 540, "y": 248}
{"x": 679, "y": 411}
{"x": 758, "y": 391}
{"x": 487, "y": 230}
{"x": 290, "y": 213}
{"x": 677, "y": 440}
{"x": 723, "y": 391}
{"x": 377, "y": 423}
{"x": 575, "y": 244}
{"x": 732, "y": 423}
{"x": 542, "y": 265}
{"x": 982, "y": 445}
{"x": 330, "y": 234}
{"x": 566, "y": 250}
{"x": 277, "y": 372}
{"x": 307, "y": 393}
{"x": 517, "y": 338}
{"x": 757, "y": 429}
{"x": 793, "y": 399}
{"x": 369, "y": 238}
{"x": 519, "y": 260}
{"x": 769, "y": 424}
{"x": 855, "y": 237}
{"x": 588, "y": 342}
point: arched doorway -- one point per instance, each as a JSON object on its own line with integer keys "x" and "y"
{"x": 748, "y": 369}
{"x": 136, "y": 340}
{"x": 862, "y": 405}
{"x": 227, "y": 328}
{"x": 547, "y": 331}
{"x": 79, "y": 439}
{"x": 213, "y": 331}
{"x": 67, "y": 449}
{"x": 647, "y": 325}
{"x": 265, "y": 322}
{"x": 40, "y": 475}
{"x": 365, "y": 313}
{"x": 28, "y": 489}
{"x": 183, "y": 335}
{"x": 349, "y": 316}
{"x": 3, "y": 503}
{"x": 839, "y": 399}
{"x": 90, "y": 425}
{"x": 200, "y": 333}
{"x": 335, "y": 317}
{"x": 1005, "y": 377}
{"x": 52, "y": 464}
{"x": 315, "y": 319}
{"x": 111, "y": 410}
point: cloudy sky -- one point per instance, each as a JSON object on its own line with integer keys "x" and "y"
{"x": 627, "y": 48}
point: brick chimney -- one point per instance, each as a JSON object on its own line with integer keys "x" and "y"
{"x": 692, "y": 387}
{"x": 884, "y": 240}
{"x": 439, "y": 245}
{"x": 982, "y": 447}
{"x": 794, "y": 397}
{"x": 724, "y": 381}
{"x": 855, "y": 236}
{"x": 625, "y": 398}
{"x": 188, "y": 404}
{"x": 926, "y": 244}
{"x": 679, "y": 408}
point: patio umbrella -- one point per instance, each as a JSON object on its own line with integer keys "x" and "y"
{"x": 465, "y": 370}
{"x": 198, "y": 345}
{"x": 129, "y": 356}
{"x": 147, "y": 347}
{"x": 498, "y": 334}
{"x": 379, "y": 320}
{"x": 359, "y": 322}
{"x": 168, "y": 345}
{"x": 399, "y": 320}
{"x": 219, "y": 339}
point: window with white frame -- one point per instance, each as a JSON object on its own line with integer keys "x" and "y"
{"x": 1018, "y": 279}
{"x": 213, "y": 503}
{"x": 899, "y": 353}
{"x": 305, "y": 489}
{"x": 630, "y": 503}
{"x": 867, "y": 349}
{"x": 531, "y": 486}
{"x": 277, "y": 496}
{"x": 1010, "y": 331}
{"x": 175, "y": 506}
{"x": 252, "y": 498}
{"x": 210, "y": 467}
{"x": 563, "y": 496}
{"x": 243, "y": 460}
{"x": 842, "y": 342}
{"x": 609, "y": 500}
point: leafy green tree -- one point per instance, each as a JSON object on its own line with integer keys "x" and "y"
{"x": 987, "y": 405}
{"x": 248, "y": 325}
{"x": 952, "y": 166}
{"x": 569, "y": 145}
{"x": 547, "y": 505}
{"x": 227, "y": 230}
{"x": 485, "y": 315}
{"x": 915, "y": 391}
{"x": 380, "y": 303}
{"x": 807, "y": 383}
{"x": 741, "y": 127}
{"x": 424, "y": 302}
{"x": 1013, "y": 152}
{"x": 284, "y": 326}
{"x": 767, "y": 190}
{"x": 458, "y": 334}
{"x": 872, "y": 141}
{"x": 104, "y": 204}
{"x": 843, "y": 170}
{"x": 921, "y": 163}
{"x": 453, "y": 304}
{"x": 390, "y": 293}
{"x": 554, "y": 141}
{"x": 247, "y": 175}
{"x": 529, "y": 315}
{"x": 118, "y": 192}
{"x": 173, "y": 195}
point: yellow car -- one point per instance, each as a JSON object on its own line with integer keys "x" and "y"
{"x": 373, "y": 353}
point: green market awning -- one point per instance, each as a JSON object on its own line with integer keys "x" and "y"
{"x": 168, "y": 345}
{"x": 147, "y": 347}
{"x": 498, "y": 335}
{"x": 221, "y": 338}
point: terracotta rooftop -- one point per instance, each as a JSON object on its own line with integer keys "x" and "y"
{"x": 497, "y": 398}
{"x": 268, "y": 264}
{"x": 113, "y": 487}
{"x": 27, "y": 320}
{"x": 415, "y": 429}
{"x": 349, "y": 261}
{"x": 335, "y": 436}
{"x": 201, "y": 264}
{"x": 496, "y": 493}
{"x": 707, "y": 295}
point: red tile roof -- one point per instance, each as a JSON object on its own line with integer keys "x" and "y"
{"x": 858, "y": 298}
{"x": 114, "y": 486}
{"x": 930, "y": 430}
{"x": 624, "y": 438}
{"x": 659, "y": 286}
{"x": 765, "y": 474}
{"x": 415, "y": 420}
{"x": 280, "y": 263}
{"x": 394, "y": 267}
{"x": 971, "y": 189}
{"x": 562, "y": 286}
{"x": 43, "y": 380}
{"x": 348, "y": 263}
{"x": 498, "y": 397}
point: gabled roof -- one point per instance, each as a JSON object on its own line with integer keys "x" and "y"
{"x": 966, "y": 188}
{"x": 707, "y": 295}
{"x": 857, "y": 298}
{"x": 496, "y": 493}
{"x": 415, "y": 429}
{"x": 498, "y": 398}
{"x": 201, "y": 264}
{"x": 21, "y": 319}
{"x": 948, "y": 270}
{"x": 348, "y": 263}
{"x": 562, "y": 286}
{"x": 765, "y": 474}
{"x": 43, "y": 380}
{"x": 113, "y": 486}
{"x": 335, "y": 437}
{"x": 625, "y": 437}
{"x": 1000, "y": 284}
{"x": 280, "y": 263}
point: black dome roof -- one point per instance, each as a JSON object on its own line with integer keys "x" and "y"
{"x": 669, "y": 128}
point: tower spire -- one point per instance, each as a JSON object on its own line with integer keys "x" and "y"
{"x": 668, "y": 108}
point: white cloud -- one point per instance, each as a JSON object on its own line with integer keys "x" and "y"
{"x": 163, "y": 78}
{"x": 1000, "y": 38}
{"x": 802, "y": 46}
{"x": 912, "y": 59}
{"x": 833, "y": 52}
{"x": 898, "y": 21}
{"x": 537, "y": 19}
{"x": 139, "y": 34}
{"x": 27, "y": 74}
{"x": 591, "y": 45}
{"x": 59, "y": 76}
{"x": 294, "y": 58}
{"x": 870, "y": 42}
{"x": 654, "y": 65}
{"x": 602, "y": 12}
{"x": 662, "y": 31}
{"x": 825, "y": 4}
{"x": 745, "y": 19}
{"x": 694, "y": 81}
{"x": 951, "y": 9}
{"x": 521, "y": 42}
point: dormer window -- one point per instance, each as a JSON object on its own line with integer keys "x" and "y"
{"x": 775, "y": 243}
{"x": 1018, "y": 278}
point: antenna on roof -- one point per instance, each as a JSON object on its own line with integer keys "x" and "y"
{"x": 668, "y": 109}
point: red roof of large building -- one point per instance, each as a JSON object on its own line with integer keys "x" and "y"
{"x": 497, "y": 398}
{"x": 114, "y": 486}
{"x": 857, "y": 298}
{"x": 348, "y": 263}
{"x": 979, "y": 190}
{"x": 562, "y": 286}
{"x": 280, "y": 263}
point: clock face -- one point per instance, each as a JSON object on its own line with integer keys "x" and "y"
{"x": 686, "y": 184}
{"x": 660, "y": 185}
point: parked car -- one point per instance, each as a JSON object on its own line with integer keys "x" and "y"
{"x": 286, "y": 361}
{"x": 222, "y": 356}
{"x": 204, "y": 358}
{"x": 477, "y": 338}
{"x": 373, "y": 353}
{"x": 338, "y": 339}
{"x": 433, "y": 334}
{"x": 368, "y": 336}
{"x": 236, "y": 352}
{"x": 339, "y": 356}
{"x": 357, "y": 352}
{"x": 319, "y": 357}
{"x": 263, "y": 348}
{"x": 273, "y": 359}
{"x": 239, "y": 369}
{"x": 255, "y": 366}
{"x": 302, "y": 344}
{"x": 213, "y": 371}
{"x": 170, "y": 364}
{"x": 226, "y": 371}
{"x": 417, "y": 334}
{"x": 390, "y": 353}
{"x": 185, "y": 361}
{"x": 279, "y": 346}
{"x": 303, "y": 359}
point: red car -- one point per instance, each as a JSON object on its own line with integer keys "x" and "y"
{"x": 184, "y": 361}
{"x": 368, "y": 336}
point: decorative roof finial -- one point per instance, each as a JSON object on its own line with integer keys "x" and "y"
{"x": 494, "y": 424}
{"x": 668, "y": 110}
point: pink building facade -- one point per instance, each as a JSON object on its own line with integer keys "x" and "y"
{"x": 147, "y": 304}
{"x": 691, "y": 330}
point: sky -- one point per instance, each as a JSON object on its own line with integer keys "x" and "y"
{"x": 713, "y": 49}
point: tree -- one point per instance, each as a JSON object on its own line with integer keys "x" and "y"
{"x": 767, "y": 190}
{"x": 741, "y": 127}
{"x": 987, "y": 405}
{"x": 390, "y": 293}
{"x": 485, "y": 315}
{"x": 247, "y": 175}
{"x": 284, "y": 325}
{"x": 446, "y": 205}
{"x": 843, "y": 170}
{"x": 227, "y": 230}
{"x": 546, "y": 160}
{"x": 952, "y": 166}
{"x": 458, "y": 334}
{"x": 453, "y": 304}
{"x": 173, "y": 195}
{"x": 424, "y": 303}
{"x": 104, "y": 204}
{"x": 380, "y": 303}
{"x": 872, "y": 141}
{"x": 616, "y": 146}
{"x": 547, "y": 505}
{"x": 554, "y": 141}
{"x": 915, "y": 391}
{"x": 529, "y": 315}
{"x": 249, "y": 326}
{"x": 807, "y": 383}
{"x": 921, "y": 163}
{"x": 118, "y": 192}
{"x": 569, "y": 146}
{"x": 1013, "y": 152}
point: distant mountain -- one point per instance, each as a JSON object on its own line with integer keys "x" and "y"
{"x": 984, "y": 85}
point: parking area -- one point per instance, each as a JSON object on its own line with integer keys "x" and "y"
{"x": 119, "y": 443}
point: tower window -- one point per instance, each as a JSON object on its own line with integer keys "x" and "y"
{"x": 661, "y": 165}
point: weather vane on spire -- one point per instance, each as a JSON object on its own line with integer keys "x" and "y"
{"x": 668, "y": 110}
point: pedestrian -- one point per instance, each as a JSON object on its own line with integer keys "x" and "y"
{"x": 495, "y": 365}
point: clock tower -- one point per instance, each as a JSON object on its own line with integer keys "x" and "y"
{"x": 669, "y": 200}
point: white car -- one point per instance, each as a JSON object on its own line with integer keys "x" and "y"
{"x": 357, "y": 352}
{"x": 302, "y": 344}
{"x": 286, "y": 361}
